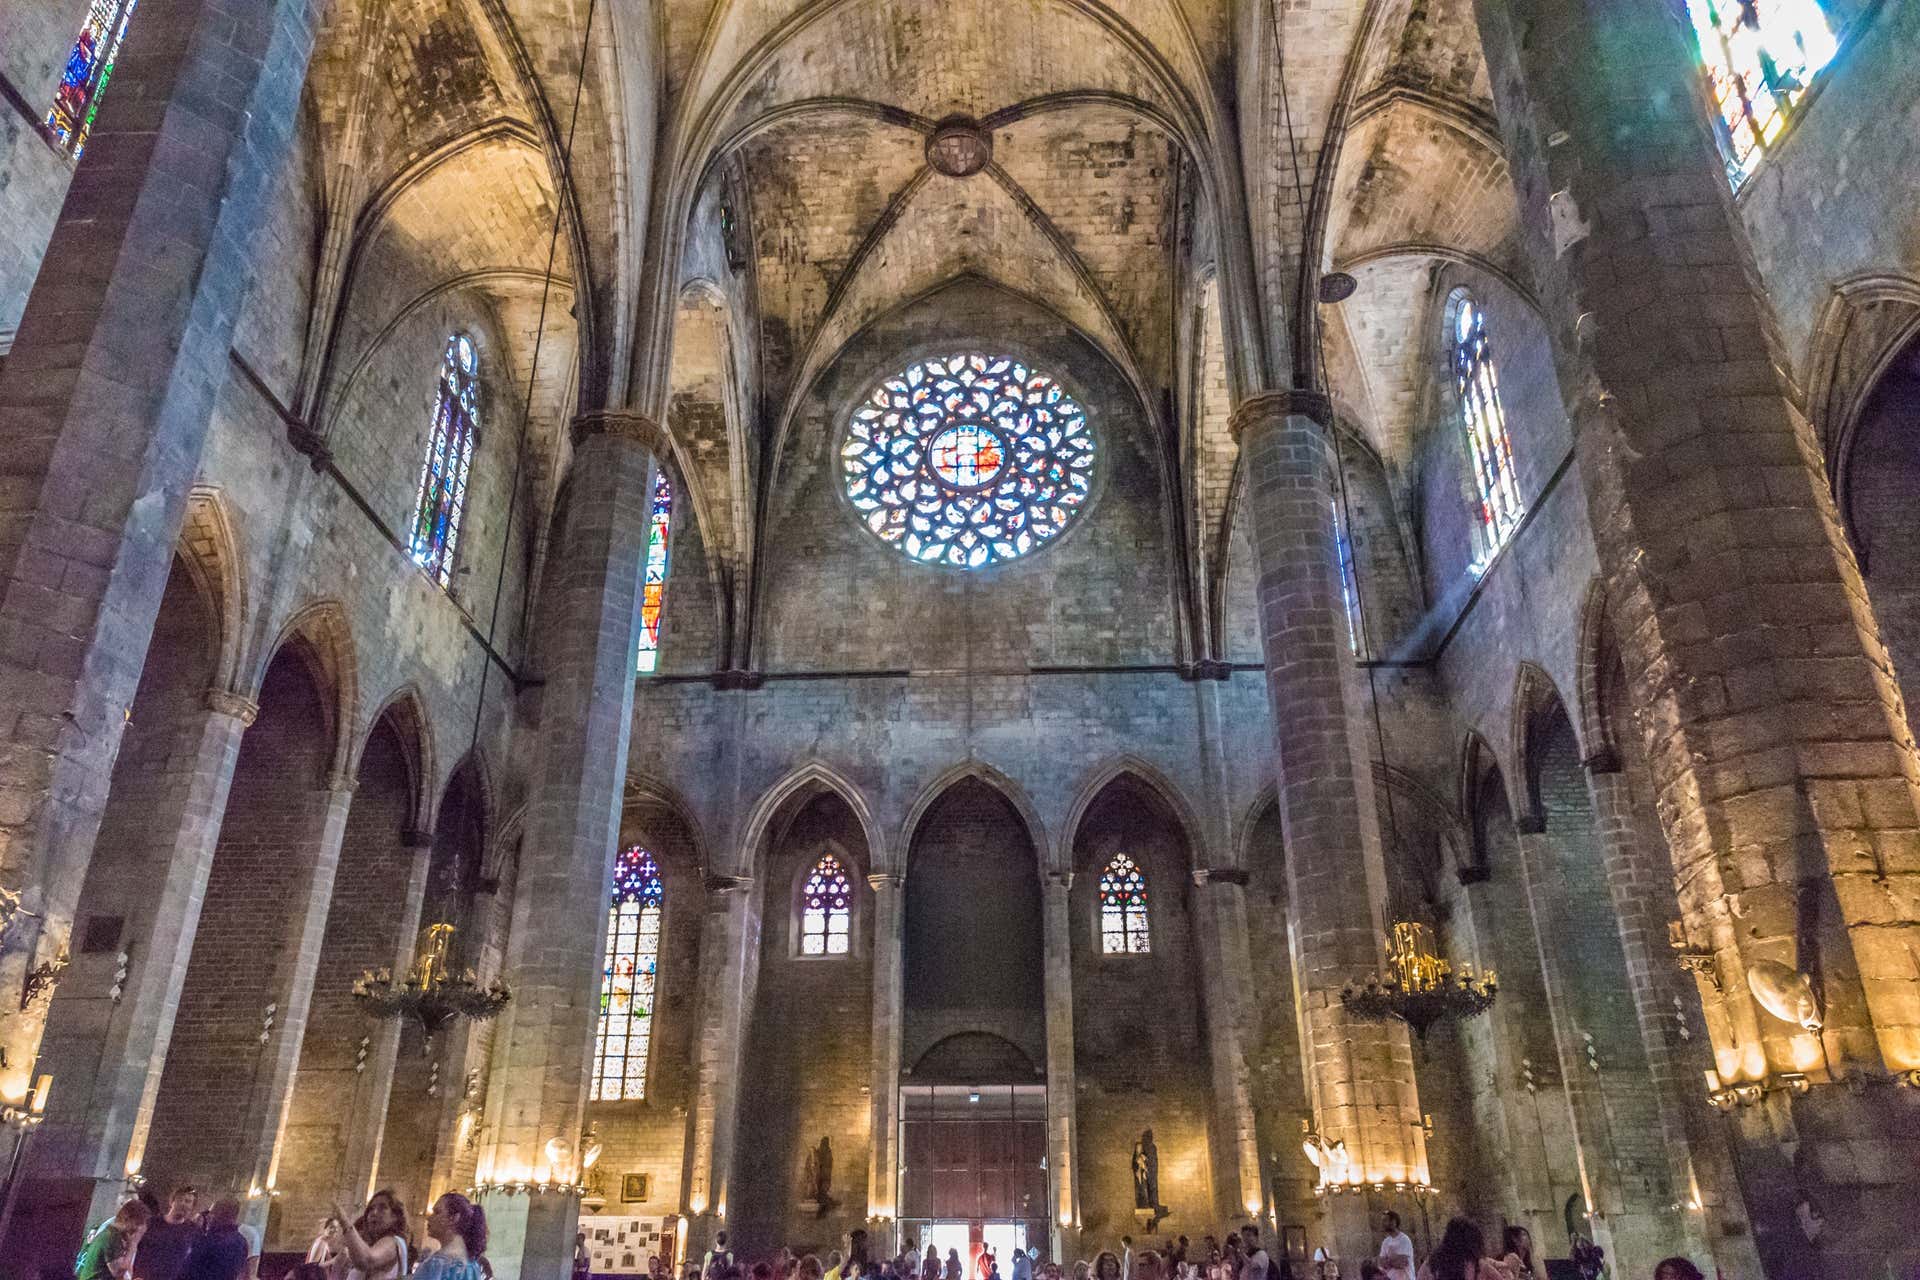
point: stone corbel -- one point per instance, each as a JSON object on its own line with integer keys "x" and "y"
{"x": 625, "y": 424}
{"x": 225, "y": 702}
{"x": 1221, "y": 875}
{"x": 1293, "y": 402}
{"x": 717, "y": 883}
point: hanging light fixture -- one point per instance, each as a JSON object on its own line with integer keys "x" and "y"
{"x": 430, "y": 993}
{"x": 1419, "y": 986}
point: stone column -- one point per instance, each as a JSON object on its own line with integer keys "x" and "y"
{"x": 104, "y": 403}
{"x": 1360, "y": 1074}
{"x": 112, "y": 1046}
{"x": 1782, "y": 762}
{"x": 1699, "y": 1163}
{"x": 729, "y": 957}
{"x": 374, "y": 1089}
{"x": 1227, "y": 968}
{"x": 589, "y": 632}
{"x": 1062, "y": 1081}
{"x": 889, "y": 962}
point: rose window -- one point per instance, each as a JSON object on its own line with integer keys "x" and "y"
{"x": 968, "y": 460}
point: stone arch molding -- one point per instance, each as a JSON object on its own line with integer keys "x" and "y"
{"x": 814, "y": 775}
{"x": 211, "y": 550}
{"x": 1534, "y": 695}
{"x": 325, "y": 637}
{"x": 1110, "y": 771}
{"x": 648, "y": 790}
{"x": 1600, "y": 751}
{"x": 1865, "y": 322}
{"x": 414, "y": 727}
{"x": 1011, "y": 791}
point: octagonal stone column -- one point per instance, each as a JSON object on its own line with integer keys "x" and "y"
{"x": 589, "y": 634}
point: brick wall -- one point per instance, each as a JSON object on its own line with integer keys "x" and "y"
{"x": 215, "y": 1065}
{"x": 331, "y": 1099}
{"x": 1139, "y": 1027}
{"x": 808, "y": 1062}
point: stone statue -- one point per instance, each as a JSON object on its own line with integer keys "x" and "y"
{"x": 816, "y": 1184}
{"x": 1146, "y": 1174}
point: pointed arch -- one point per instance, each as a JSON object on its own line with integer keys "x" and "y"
{"x": 414, "y": 729}
{"x": 1267, "y": 797}
{"x": 503, "y": 846}
{"x": 814, "y": 775}
{"x": 1536, "y": 699}
{"x": 1600, "y": 752}
{"x": 1106, "y": 773}
{"x": 1453, "y": 846}
{"x": 1009, "y": 790}
{"x": 651, "y": 790}
{"x": 1477, "y": 760}
{"x": 325, "y": 637}
{"x": 210, "y": 549}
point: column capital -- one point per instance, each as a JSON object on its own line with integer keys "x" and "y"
{"x": 1062, "y": 880}
{"x": 717, "y": 883}
{"x": 418, "y": 838}
{"x": 624, "y": 423}
{"x": 1220, "y": 875}
{"x": 1292, "y": 402}
{"x": 225, "y": 702}
{"x": 342, "y": 782}
{"x": 886, "y": 880}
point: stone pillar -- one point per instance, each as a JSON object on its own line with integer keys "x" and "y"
{"x": 889, "y": 963}
{"x": 1360, "y": 1074}
{"x": 1783, "y": 766}
{"x": 1715, "y": 1224}
{"x": 1061, "y": 1078}
{"x": 1227, "y": 968}
{"x": 374, "y": 1089}
{"x": 729, "y": 959}
{"x": 112, "y": 1046}
{"x": 104, "y": 404}
{"x": 589, "y": 633}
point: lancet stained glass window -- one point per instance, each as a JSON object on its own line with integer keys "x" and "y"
{"x": 628, "y": 982}
{"x": 826, "y": 909}
{"x": 968, "y": 460}
{"x": 1759, "y": 57}
{"x": 84, "y": 78}
{"x": 1349, "y": 596}
{"x": 653, "y": 579}
{"x": 1486, "y": 424}
{"x": 443, "y": 474}
{"x": 1123, "y": 908}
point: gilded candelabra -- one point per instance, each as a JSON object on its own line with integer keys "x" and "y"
{"x": 1420, "y": 986}
{"x": 430, "y": 993}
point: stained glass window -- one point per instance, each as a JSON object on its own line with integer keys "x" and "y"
{"x": 1123, "y": 908}
{"x": 653, "y": 579}
{"x": 627, "y": 983}
{"x": 1486, "y": 424}
{"x": 1759, "y": 57}
{"x": 84, "y": 78}
{"x": 968, "y": 460}
{"x": 1349, "y": 596}
{"x": 443, "y": 474}
{"x": 826, "y": 909}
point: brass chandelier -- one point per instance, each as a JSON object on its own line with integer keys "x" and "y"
{"x": 1419, "y": 986}
{"x": 430, "y": 993}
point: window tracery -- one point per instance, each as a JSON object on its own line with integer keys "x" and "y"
{"x": 1485, "y": 420}
{"x": 968, "y": 460}
{"x": 653, "y": 578}
{"x": 1123, "y": 908}
{"x": 84, "y": 79}
{"x": 443, "y": 474}
{"x": 629, "y": 979}
{"x": 826, "y": 910}
{"x": 1759, "y": 56}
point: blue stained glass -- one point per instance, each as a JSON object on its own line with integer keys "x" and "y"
{"x": 629, "y": 979}
{"x": 442, "y": 497}
{"x": 84, "y": 79}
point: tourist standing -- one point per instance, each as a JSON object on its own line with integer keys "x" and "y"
{"x": 1516, "y": 1255}
{"x": 374, "y": 1245}
{"x": 221, "y": 1251}
{"x": 108, "y": 1253}
{"x": 169, "y": 1237}
{"x": 459, "y": 1227}
{"x": 1462, "y": 1255}
{"x": 1396, "y": 1248}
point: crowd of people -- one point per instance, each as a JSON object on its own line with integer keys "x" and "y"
{"x": 143, "y": 1242}
{"x": 1462, "y": 1254}
{"x": 182, "y": 1242}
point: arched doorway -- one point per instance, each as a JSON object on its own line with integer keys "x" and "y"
{"x": 973, "y": 1105}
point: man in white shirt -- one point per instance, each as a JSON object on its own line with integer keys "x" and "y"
{"x": 1126, "y": 1258}
{"x": 1396, "y": 1248}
